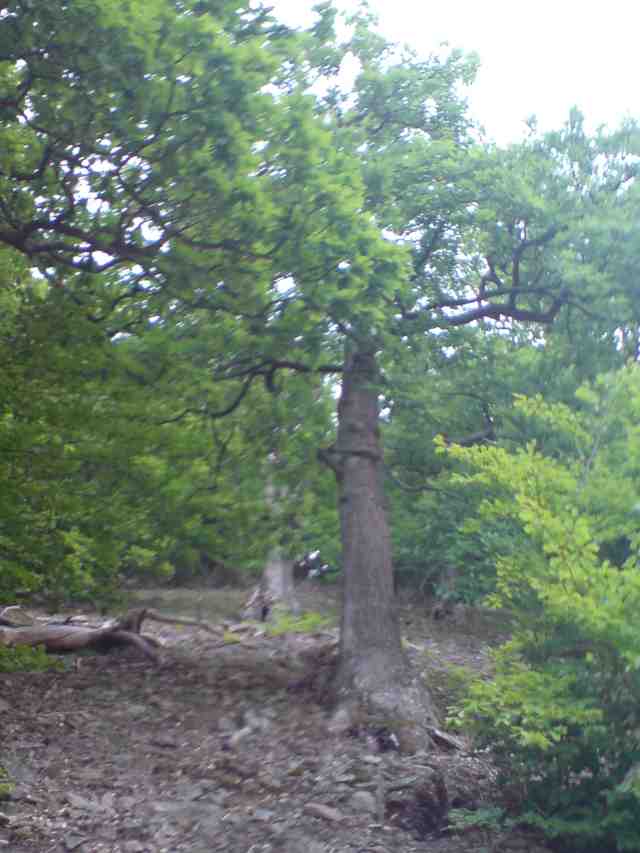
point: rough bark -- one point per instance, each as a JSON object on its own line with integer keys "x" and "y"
{"x": 278, "y": 580}
{"x": 373, "y": 672}
{"x": 275, "y": 590}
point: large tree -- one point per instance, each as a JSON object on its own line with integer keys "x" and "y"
{"x": 184, "y": 173}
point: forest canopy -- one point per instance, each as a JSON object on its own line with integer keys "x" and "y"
{"x": 186, "y": 224}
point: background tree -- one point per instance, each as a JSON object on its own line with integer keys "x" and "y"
{"x": 463, "y": 387}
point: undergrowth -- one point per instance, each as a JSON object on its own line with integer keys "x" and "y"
{"x": 27, "y": 659}
{"x": 308, "y": 623}
{"x": 561, "y": 714}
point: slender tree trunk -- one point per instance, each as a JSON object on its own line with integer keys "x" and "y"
{"x": 372, "y": 665}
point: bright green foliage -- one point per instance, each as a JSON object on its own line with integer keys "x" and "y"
{"x": 308, "y": 623}
{"x": 562, "y": 710}
{"x": 100, "y": 480}
{"x": 164, "y": 170}
{"x": 26, "y": 659}
{"x": 46, "y": 428}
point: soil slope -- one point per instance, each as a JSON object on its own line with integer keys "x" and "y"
{"x": 225, "y": 747}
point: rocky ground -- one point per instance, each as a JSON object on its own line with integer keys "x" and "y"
{"x": 225, "y": 747}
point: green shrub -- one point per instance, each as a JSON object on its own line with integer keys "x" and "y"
{"x": 489, "y": 819}
{"x": 562, "y": 714}
{"x": 27, "y": 659}
{"x": 560, "y": 737}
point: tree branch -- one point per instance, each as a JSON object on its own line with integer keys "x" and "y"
{"x": 496, "y": 311}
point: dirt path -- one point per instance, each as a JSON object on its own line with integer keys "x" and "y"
{"x": 219, "y": 749}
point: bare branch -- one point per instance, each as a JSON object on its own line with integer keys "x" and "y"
{"x": 496, "y": 311}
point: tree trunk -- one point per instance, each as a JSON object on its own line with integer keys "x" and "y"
{"x": 276, "y": 587}
{"x": 372, "y": 666}
{"x": 278, "y": 580}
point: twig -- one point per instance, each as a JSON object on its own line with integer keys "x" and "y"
{"x": 174, "y": 620}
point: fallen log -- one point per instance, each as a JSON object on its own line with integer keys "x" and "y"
{"x": 67, "y": 637}
{"x": 59, "y": 637}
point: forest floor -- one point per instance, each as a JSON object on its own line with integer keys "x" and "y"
{"x": 225, "y": 747}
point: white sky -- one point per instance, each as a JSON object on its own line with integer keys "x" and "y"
{"x": 536, "y": 58}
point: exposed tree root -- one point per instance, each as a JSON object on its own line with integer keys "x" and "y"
{"x": 394, "y": 702}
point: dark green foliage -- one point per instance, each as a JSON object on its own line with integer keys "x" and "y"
{"x": 461, "y": 382}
